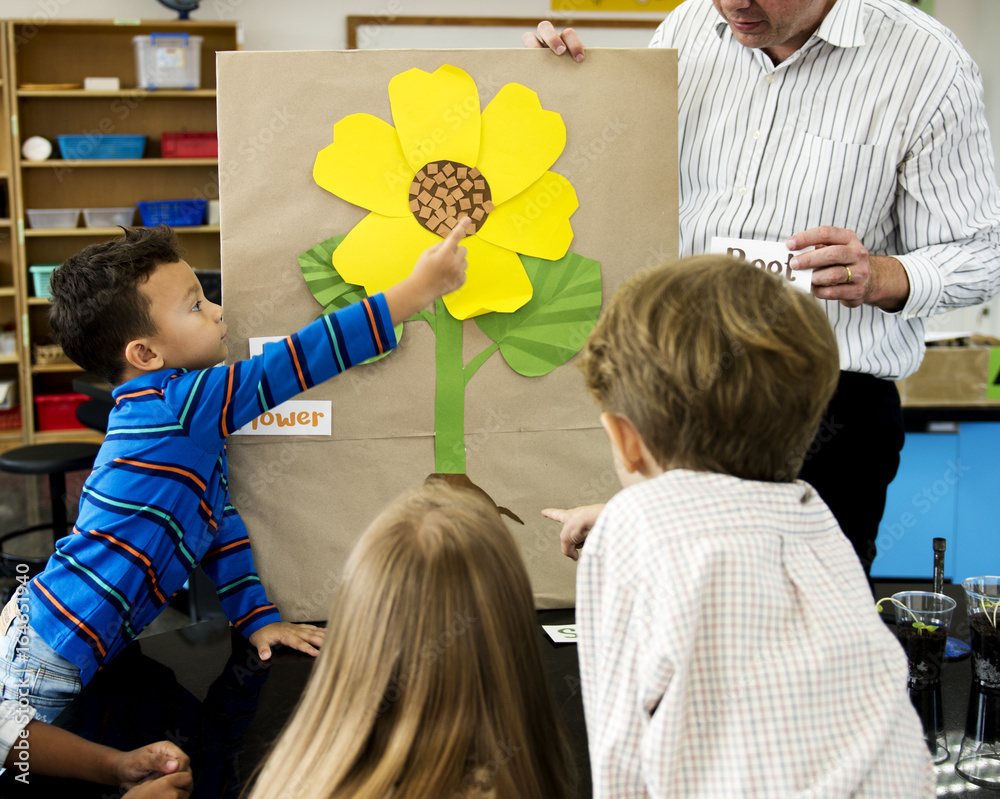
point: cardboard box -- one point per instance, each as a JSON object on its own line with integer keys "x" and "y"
{"x": 955, "y": 375}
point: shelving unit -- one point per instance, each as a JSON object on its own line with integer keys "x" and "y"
{"x": 10, "y": 275}
{"x": 62, "y": 52}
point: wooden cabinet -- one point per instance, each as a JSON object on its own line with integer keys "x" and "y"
{"x": 11, "y": 431}
{"x": 47, "y": 66}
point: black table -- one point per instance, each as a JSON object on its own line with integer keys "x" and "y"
{"x": 204, "y": 688}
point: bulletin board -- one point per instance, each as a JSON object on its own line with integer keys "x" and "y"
{"x": 397, "y": 32}
{"x": 527, "y": 440}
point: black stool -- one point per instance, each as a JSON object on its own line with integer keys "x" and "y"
{"x": 54, "y": 460}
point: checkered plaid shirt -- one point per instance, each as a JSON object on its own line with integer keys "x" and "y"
{"x": 729, "y": 646}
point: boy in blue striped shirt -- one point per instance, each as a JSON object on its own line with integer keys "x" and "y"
{"x": 157, "y": 503}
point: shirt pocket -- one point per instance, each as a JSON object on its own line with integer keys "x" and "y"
{"x": 837, "y": 183}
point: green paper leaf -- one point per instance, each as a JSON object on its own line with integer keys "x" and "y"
{"x": 554, "y": 324}
{"x": 329, "y": 288}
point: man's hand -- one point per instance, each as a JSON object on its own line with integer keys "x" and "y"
{"x": 304, "y": 637}
{"x": 150, "y": 761}
{"x": 844, "y": 271}
{"x": 558, "y": 42}
{"x": 576, "y": 524}
{"x": 439, "y": 270}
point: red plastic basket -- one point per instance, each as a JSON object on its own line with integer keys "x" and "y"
{"x": 10, "y": 419}
{"x": 58, "y": 411}
{"x": 183, "y": 144}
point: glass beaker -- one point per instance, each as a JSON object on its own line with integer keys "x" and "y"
{"x": 922, "y": 622}
{"x": 979, "y": 757}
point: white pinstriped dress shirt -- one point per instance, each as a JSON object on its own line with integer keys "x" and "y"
{"x": 729, "y": 647}
{"x": 875, "y": 125}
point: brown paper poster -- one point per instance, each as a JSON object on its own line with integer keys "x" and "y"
{"x": 496, "y": 397}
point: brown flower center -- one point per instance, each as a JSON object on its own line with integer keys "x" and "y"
{"x": 444, "y": 191}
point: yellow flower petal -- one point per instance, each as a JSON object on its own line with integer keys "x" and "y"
{"x": 520, "y": 141}
{"x": 365, "y": 166}
{"x": 380, "y": 251}
{"x": 437, "y": 115}
{"x": 536, "y": 221}
{"x": 495, "y": 281}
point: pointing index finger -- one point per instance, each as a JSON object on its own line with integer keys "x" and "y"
{"x": 458, "y": 232}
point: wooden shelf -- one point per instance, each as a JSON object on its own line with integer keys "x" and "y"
{"x": 51, "y": 436}
{"x": 34, "y": 89}
{"x": 104, "y": 163}
{"x": 108, "y": 231}
{"x": 132, "y": 94}
{"x": 7, "y": 291}
{"x": 9, "y": 359}
{"x": 55, "y": 368}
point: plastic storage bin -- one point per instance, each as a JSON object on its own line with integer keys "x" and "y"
{"x": 40, "y": 274}
{"x": 102, "y": 145}
{"x": 108, "y": 217}
{"x": 10, "y": 420}
{"x": 193, "y": 144}
{"x": 168, "y": 61}
{"x": 176, "y": 213}
{"x": 58, "y": 411}
{"x": 53, "y": 217}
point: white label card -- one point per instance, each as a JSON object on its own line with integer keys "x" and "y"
{"x": 257, "y": 343}
{"x": 293, "y": 418}
{"x": 561, "y": 633}
{"x": 767, "y": 255}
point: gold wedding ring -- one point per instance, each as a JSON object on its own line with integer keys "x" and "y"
{"x": 848, "y": 274}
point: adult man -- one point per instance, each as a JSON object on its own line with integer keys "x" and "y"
{"x": 856, "y": 127}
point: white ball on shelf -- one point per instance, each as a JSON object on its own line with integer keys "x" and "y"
{"x": 36, "y": 148}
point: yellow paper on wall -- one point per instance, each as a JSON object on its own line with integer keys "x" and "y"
{"x": 615, "y": 5}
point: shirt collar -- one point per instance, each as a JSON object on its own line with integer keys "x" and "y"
{"x": 842, "y": 27}
{"x": 144, "y": 384}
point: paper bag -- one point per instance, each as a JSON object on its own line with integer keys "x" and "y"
{"x": 530, "y": 442}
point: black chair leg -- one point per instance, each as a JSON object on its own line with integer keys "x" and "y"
{"x": 57, "y": 494}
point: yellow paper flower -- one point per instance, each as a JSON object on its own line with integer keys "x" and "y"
{"x": 445, "y": 159}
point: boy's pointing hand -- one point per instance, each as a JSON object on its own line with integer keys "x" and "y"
{"x": 440, "y": 269}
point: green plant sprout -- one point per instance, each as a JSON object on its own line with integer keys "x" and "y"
{"x": 918, "y": 625}
{"x": 986, "y": 605}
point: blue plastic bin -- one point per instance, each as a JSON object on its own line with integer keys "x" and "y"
{"x": 109, "y": 145}
{"x": 176, "y": 213}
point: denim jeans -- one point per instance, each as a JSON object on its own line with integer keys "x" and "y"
{"x": 31, "y": 671}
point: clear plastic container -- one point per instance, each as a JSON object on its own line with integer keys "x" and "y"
{"x": 168, "y": 61}
{"x": 108, "y": 217}
{"x": 40, "y": 274}
{"x": 53, "y": 217}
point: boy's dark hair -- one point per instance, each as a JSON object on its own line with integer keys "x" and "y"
{"x": 97, "y": 307}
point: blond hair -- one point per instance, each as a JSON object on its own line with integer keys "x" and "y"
{"x": 430, "y": 680}
{"x": 719, "y": 366}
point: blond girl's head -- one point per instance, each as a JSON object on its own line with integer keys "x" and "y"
{"x": 430, "y": 681}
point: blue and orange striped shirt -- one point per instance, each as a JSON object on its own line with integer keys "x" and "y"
{"x": 157, "y": 503}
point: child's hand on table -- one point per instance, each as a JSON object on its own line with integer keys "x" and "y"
{"x": 576, "y": 524}
{"x": 304, "y": 637}
{"x": 166, "y": 786}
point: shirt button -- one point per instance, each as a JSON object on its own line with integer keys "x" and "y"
{"x": 742, "y": 190}
{"x": 769, "y": 78}
{"x": 755, "y": 135}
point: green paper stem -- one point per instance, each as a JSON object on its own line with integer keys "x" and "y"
{"x": 473, "y": 366}
{"x": 427, "y": 316}
{"x": 449, "y": 398}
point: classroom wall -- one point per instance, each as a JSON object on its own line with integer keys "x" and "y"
{"x": 320, "y": 25}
